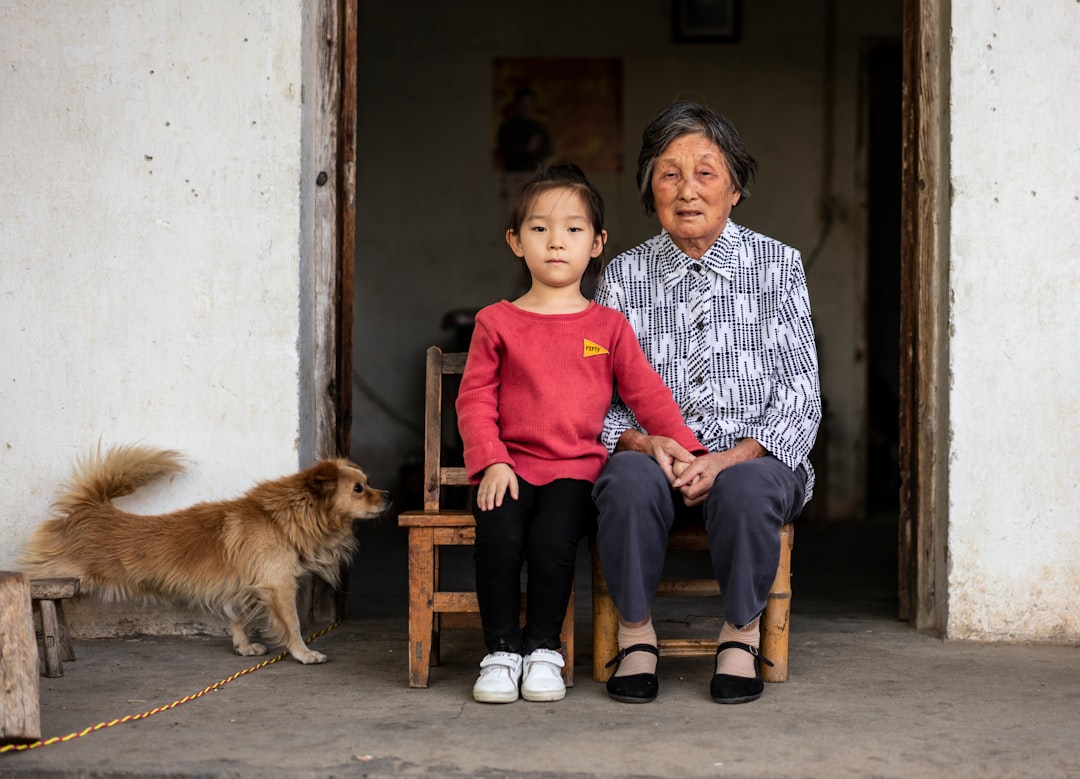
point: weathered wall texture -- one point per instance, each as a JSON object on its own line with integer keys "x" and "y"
{"x": 149, "y": 201}
{"x": 1014, "y": 484}
{"x": 149, "y": 231}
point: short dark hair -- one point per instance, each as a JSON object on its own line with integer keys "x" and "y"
{"x": 689, "y": 118}
{"x": 563, "y": 176}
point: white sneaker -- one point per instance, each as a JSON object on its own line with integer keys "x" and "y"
{"x": 543, "y": 676}
{"x": 500, "y": 674}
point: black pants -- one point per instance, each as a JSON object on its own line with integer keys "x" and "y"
{"x": 541, "y": 531}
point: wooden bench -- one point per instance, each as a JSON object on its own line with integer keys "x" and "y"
{"x": 20, "y": 713}
{"x": 774, "y": 622}
{"x": 54, "y": 640}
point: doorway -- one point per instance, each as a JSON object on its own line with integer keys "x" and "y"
{"x": 882, "y": 67}
{"x": 404, "y": 286}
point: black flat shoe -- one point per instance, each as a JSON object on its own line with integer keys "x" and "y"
{"x": 634, "y": 688}
{"x": 727, "y": 688}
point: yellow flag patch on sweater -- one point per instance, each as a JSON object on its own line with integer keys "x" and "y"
{"x": 593, "y": 349}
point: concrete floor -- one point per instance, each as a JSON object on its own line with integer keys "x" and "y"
{"x": 867, "y": 697}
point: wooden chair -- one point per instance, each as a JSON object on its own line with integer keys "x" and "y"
{"x": 774, "y": 622}
{"x": 435, "y": 527}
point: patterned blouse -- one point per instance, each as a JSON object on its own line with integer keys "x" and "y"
{"x": 731, "y": 335}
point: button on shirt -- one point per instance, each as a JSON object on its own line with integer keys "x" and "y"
{"x": 731, "y": 335}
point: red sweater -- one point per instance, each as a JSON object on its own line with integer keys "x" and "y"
{"x": 537, "y": 387}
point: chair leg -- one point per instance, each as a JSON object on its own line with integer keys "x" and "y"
{"x": 605, "y": 622}
{"x": 421, "y": 613}
{"x": 67, "y": 649}
{"x": 435, "y": 649}
{"x": 568, "y": 640}
{"x": 49, "y": 639}
{"x": 775, "y": 622}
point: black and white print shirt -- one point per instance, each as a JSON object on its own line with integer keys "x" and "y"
{"x": 730, "y": 334}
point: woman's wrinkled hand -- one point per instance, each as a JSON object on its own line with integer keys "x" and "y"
{"x": 694, "y": 479}
{"x": 666, "y": 451}
{"x": 697, "y": 478}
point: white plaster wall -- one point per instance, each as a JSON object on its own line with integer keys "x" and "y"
{"x": 149, "y": 232}
{"x": 1014, "y": 484}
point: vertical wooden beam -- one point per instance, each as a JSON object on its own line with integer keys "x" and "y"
{"x": 322, "y": 98}
{"x": 347, "y": 214}
{"x": 330, "y": 172}
{"x": 924, "y": 312}
{"x": 330, "y": 99}
{"x": 346, "y": 255}
{"x": 909, "y": 229}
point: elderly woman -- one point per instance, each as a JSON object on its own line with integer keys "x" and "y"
{"x": 722, "y": 313}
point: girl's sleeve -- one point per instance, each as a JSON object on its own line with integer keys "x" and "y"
{"x": 477, "y": 404}
{"x": 619, "y": 418}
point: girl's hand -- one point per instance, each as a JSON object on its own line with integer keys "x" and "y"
{"x": 677, "y": 468}
{"x": 498, "y": 479}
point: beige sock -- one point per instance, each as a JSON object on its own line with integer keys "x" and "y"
{"x": 637, "y": 662}
{"x": 736, "y": 662}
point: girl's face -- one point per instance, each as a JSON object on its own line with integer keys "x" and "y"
{"x": 556, "y": 238}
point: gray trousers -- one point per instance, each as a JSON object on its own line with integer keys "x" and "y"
{"x": 743, "y": 514}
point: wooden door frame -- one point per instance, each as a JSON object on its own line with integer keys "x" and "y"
{"x": 346, "y": 260}
{"x": 923, "y": 451}
{"x": 328, "y": 249}
{"x": 329, "y": 181}
{"x": 924, "y": 439}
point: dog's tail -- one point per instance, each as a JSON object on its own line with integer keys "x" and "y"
{"x": 101, "y": 476}
{"x": 55, "y": 548}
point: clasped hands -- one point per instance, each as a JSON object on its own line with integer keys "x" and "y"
{"x": 694, "y": 476}
{"x": 690, "y": 475}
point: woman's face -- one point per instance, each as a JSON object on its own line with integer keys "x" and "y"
{"x": 693, "y": 191}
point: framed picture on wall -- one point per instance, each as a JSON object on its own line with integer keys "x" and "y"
{"x": 705, "y": 21}
{"x": 557, "y": 110}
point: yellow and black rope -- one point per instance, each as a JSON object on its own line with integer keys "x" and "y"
{"x": 133, "y": 717}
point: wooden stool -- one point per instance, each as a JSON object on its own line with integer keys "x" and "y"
{"x": 20, "y": 720}
{"x": 48, "y": 596}
{"x": 774, "y": 622}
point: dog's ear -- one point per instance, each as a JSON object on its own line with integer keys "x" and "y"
{"x": 322, "y": 478}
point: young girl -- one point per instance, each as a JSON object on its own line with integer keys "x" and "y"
{"x": 538, "y": 382}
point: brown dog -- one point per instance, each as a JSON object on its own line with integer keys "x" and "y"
{"x": 238, "y": 558}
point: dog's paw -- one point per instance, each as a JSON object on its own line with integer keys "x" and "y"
{"x": 309, "y": 657}
{"x": 250, "y": 650}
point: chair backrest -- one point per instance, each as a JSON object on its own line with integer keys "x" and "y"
{"x": 439, "y": 365}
